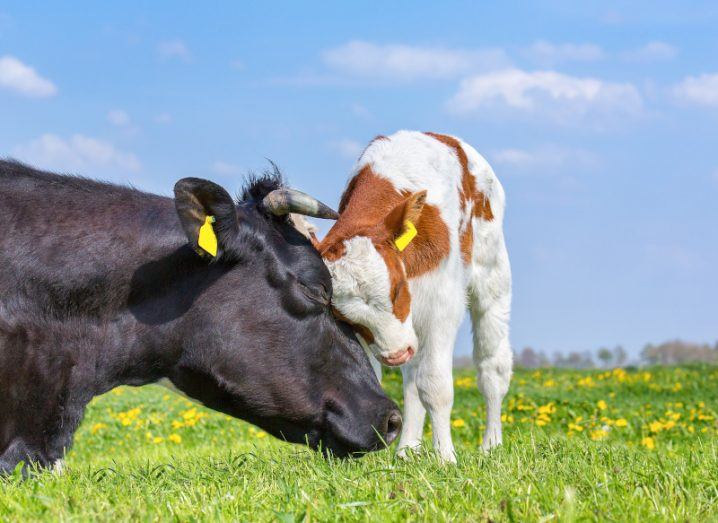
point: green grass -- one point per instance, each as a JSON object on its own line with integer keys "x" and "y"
{"x": 636, "y": 446}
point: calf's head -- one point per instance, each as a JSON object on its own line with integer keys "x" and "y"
{"x": 371, "y": 289}
{"x": 260, "y": 341}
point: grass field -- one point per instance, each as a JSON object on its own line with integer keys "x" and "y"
{"x": 638, "y": 445}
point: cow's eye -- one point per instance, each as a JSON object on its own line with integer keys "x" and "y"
{"x": 317, "y": 293}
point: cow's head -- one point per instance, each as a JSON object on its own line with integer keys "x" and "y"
{"x": 371, "y": 290}
{"x": 260, "y": 341}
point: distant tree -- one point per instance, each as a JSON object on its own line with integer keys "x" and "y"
{"x": 678, "y": 352}
{"x": 649, "y": 354}
{"x": 527, "y": 358}
{"x": 574, "y": 360}
{"x": 619, "y": 356}
{"x": 605, "y": 355}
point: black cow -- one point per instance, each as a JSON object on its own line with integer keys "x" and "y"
{"x": 99, "y": 288}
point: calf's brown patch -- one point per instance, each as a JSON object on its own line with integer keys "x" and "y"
{"x": 366, "y": 203}
{"x": 469, "y": 195}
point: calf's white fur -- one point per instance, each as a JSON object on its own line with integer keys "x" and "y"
{"x": 479, "y": 280}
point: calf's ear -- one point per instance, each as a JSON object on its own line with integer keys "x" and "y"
{"x": 207, "y": 214}
{"x": 402, "y": 220}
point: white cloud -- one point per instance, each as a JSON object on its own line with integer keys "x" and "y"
{"x": 237, "y": 64}
{"x": 74, "y": 154}
{"x": 348, "y": 148}
{"x": 547, "y": 54}
{"x": 548, "y": 157}
{"x": 406, "y": 62}
{"x": 176, "y": 48}
{"x": 23, "y": 79}
{"x": 225, "y": 168}
{"x": 513, "y": 157}
{"x": 119, "y": 118}
{"x": 698, "y": 90}
{"x": 546, "y": 93}
{"x": 651, "y": 52}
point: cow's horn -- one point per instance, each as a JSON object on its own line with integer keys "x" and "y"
{"x": 284, "y": 201}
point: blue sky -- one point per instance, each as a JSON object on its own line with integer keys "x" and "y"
{"x": 600, "y": 120}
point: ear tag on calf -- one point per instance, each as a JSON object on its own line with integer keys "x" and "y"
{"x": 406, "y": 237}
{"x": 207, "y": 238}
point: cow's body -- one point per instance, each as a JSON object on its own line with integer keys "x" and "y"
{"x": 99, "y": 288}
{"x": 458, "y": 258}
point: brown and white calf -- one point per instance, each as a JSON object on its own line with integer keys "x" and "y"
{"x": 419, "y": 238}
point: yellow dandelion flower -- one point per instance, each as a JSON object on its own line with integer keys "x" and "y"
{"x": 261, "y": 434}
{"x": 97, "y": 427}
{"x": 465, "y": 383}
{"x": 649, "y": 443}
{"x": 547, "y": 409}
{"x": 458, "y": 423}
{"x": 598, "y": 434}
{"x": 175, "y": 438}
{"x": 655, "y": 426}
{"x": 575, "y": 427}
{"x": 549, "y": 383}
{"x": 621, "y": 422}
{"x": 602, "y": 405}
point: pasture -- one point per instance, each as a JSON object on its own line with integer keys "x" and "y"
{"x": 621, "y": 445}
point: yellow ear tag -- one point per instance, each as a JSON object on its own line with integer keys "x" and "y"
{"x": 207, "y": 238}
{"x": 406, "y": 237}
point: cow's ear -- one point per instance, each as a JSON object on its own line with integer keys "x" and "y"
{"x": 402, "y": 220}
{"x": 207, "y": 214}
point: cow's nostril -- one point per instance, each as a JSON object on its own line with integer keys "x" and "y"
{"x": 393, "y": 426}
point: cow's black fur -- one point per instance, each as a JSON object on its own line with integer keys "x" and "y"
{"x": 99, "y": 287}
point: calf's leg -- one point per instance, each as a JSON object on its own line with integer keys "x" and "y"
{"x": 436, "y": 390}
{"x": 490, "y": 306}
{"x": 414, "y": 412}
